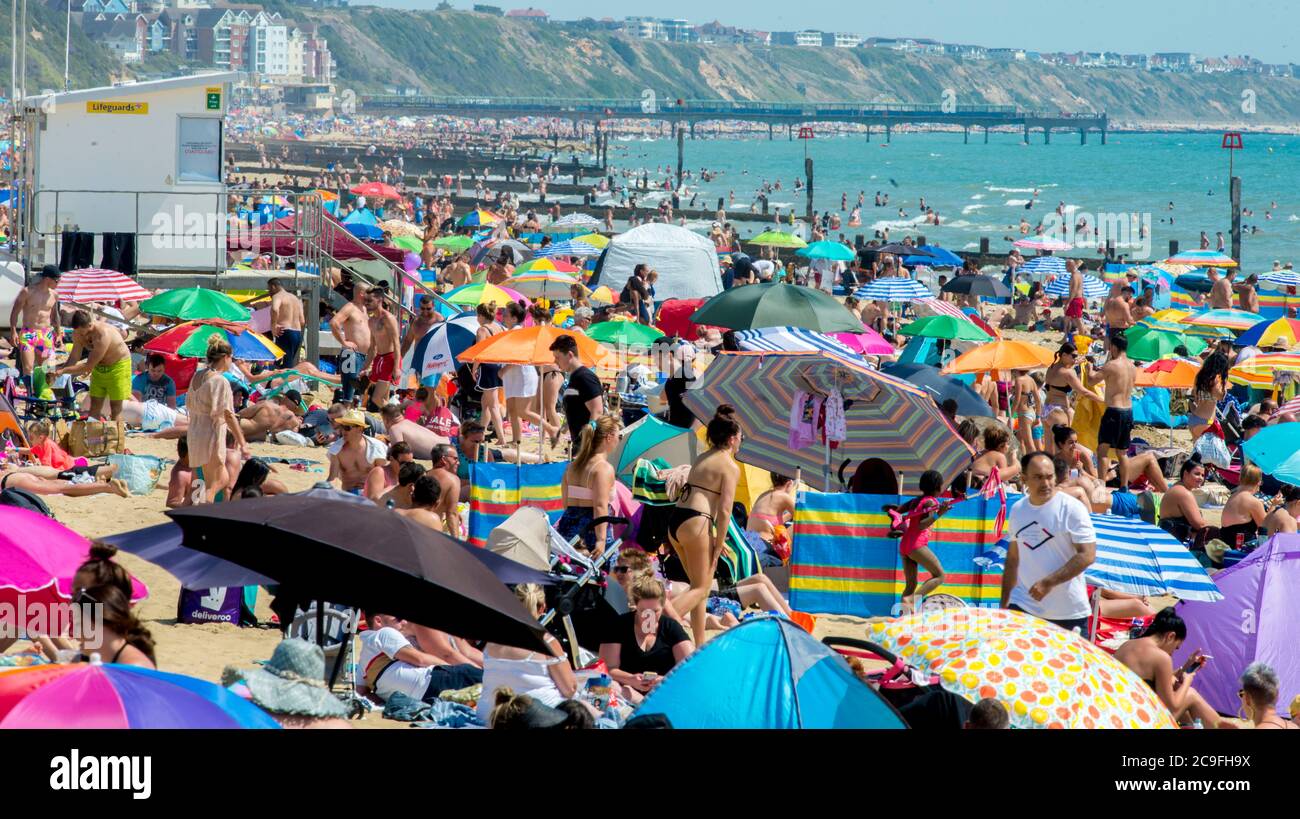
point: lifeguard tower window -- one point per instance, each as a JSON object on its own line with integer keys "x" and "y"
{"x": 199, "y": 150}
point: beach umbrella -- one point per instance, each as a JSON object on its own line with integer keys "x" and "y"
{"x": 1268, "y": 333}
{"x": 899, "y": 249}
{"x": 893, "y": 288}
{"x": 1001, "y": 355}
{"x": 369, "y": 233}
{"x": 375, "y": 190}
{"x": 675, "y": 315}
{"x": 38, "y": 558}
{"x": 162, "y": 545}
{"x": 865, "y": 342}
{"x": 435, "y": 354}
{"x": 545, "y": 266}
{"x": 603, "y": 295}
{"x": 1255, "y": 622}
{"x": 790, "y": 680}
{"x": 1149, "y": 343}
{"x": 1273, "y": 449}
{"x": 1169, "y": 314}
{"x": 776, "y": 304}
{"x": 597, "y": 240}
{"x": 190, "y": 340}
{"x": 1267, "y": 370}
{"x": 937, "y": 307}
{"x": 543, "y": 284}
{"x": 99, "y": 696}
{"x": 624, "y": 333}
{"x": 1226, "y": 319}
{"x": 362, "y": 556}
{"x": 1202, "y": 258}
{"x": 942, "y": 388}
{"x": 92, "y": 285}
{"x": 953, "y": 329}
{"x": 195, "y": 304}
{"x": 833, "y": 251}
{"x": 532, "y": 345}
{"x": 1135, "y": 557}
{"x": 932, "y": 256}
{"x": 977, "y": 285}
{"x": 885, "y": 417}
{"x": 1195, "y": 282}
{"x": 1042, "y": 243}
{"x": 453, "y": 244}
{"x": 489, "y": 250}
{"x": 1275, "y": 279}
{"x": 478, "y": 218}
{"x": 1045, "y": 676}
{"x": 574, "y": 223}
{"x": 1044, "y": 266}
{"x": 652, "y": 439}
{"x": 572, "y": 247}
{"x": 775, "y": 238}
{"x": 1093, "y": 287}
{"x": 398, "y": 227}
{"x": 791, "y": 339}
{"x": 409, "y": 243}
{"x": 1170, "y": 373}
{"x": 472, "y": 295}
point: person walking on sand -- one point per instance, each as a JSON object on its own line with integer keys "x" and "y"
{"x": 1074, "y": 307}
{"x": 211, "y": 418}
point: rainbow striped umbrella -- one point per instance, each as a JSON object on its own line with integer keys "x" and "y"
{"x": 1227, "y": 319}
{"x": 545, "y": 266}
{"x": 1284, "y": 331}
{"x": 1202, "y": 258}
{"x": 885, "y": 417}
{"x": 190, "y": 340}
{"x": 1267, "y": 370}
{"x": 543, "y": 284}
{"x": 478, "y": 218}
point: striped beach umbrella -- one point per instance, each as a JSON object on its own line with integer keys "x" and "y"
{"x": 190, "y": 340}
{"x": 790, "y": 339}
{"x": 472, "y": 295}
{"x": 1044, "y": 266}
{"x": 1093, "y": 287}
{"x": 1281, "y": 278}
{"x": 937, "y": 307}
{"x": 478, "y": 218}
{"x": 574, "y": 223}
{"x": 1237, "y": 320}
{"x": 893, "y": 288}
{"x": 1042, "y": 243}
{"x": 1135, "y": 557}
{"x": 1283, "y": 331}
{"x": 1267, "y": 370}
{"x": 93, "y": 285}
{"x": 1202, "y": 258}
{"x": 436, "y": 352}
{"x": 597, "y": 240}
{"x": 885, "y": 417}
{"x": 572, "y": 247}
{"x": 545, "y": 266}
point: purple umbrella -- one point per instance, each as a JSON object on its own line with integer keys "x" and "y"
{"x": 1254, "y": 622}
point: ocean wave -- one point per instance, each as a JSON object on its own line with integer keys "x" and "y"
{"x": 1017, "y": 203}
{"x": 896, "y": 224}
{"x": 997, "y": 189}
{"x": 978, "y": 196}
{"x": 972, "y": 208}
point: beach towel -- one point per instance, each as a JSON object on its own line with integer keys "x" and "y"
{"x": 1087, "y": 416}
{"x": 496, "y": 490}
{"x": 1152, "y": 408}
{"x": 844, "y": 562}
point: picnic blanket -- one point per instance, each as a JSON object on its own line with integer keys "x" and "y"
{"x": 844, "y": 562}
{"x": 497, "y": 490}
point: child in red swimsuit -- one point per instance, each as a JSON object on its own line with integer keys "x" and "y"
{"x": 911, "y": 523}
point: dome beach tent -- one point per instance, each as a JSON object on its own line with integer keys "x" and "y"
{"x": 769, "y": 673}
{"x": 687, "y": 262}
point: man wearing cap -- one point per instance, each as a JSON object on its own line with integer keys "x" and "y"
{"x": 36, "y": 336}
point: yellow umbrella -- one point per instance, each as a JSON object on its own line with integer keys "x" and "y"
{"x": 603, "y": 295}
{"x": 1170, "y": 314}
{"x": 596, "y": 240}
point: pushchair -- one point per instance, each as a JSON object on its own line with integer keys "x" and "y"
{"x": 919, "y": 698}
{"x": 581, "y": 604}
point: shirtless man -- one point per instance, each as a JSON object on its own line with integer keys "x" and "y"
{"x": 264, "y": 419}
{"x": 385, "y": 338}
{"x": 1221, "y": 290}
{"x": 426, "y": 318}
{"x": 1119, "y": 313}
{"x": 1074, "y": 307}
{"x": 1247, "y": 294}
{"x": 109, "y": 364}
{"x": 36, "y": 337}
{"x": 1117, "y": 421}
{"x": 422, "y": 440}
{"x": 425, "y": 502}
{"x": 286, "y": 322}
{"x": 445, "y": 461}
{"x": 352, "y": 463}
{"x": 458, "y": 273}
{"x": 351, "y": 326}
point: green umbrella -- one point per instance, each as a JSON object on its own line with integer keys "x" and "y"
{"x": 624, "y": 332}
{"x": 411, "y": 243}
{"x": 195, "y": 304}
{"x": 1146, "y": 343}
{"x": 945, "y": 326}
{"x": 777, "y": 305}
{"x": 834, "y": 251}
{"x": 652, "y": 439}
{"x": 454, "y": 244}
{"x": 775, "y": 238}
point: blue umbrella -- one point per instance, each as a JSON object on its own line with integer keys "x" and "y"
{"x": 1195, "y": 282}
{"x": 1093, "y": 287}
{"x": 893, "y": 288}
{"x": 835, "y": 251}
{"x": 161, "y": 545}
{"x": 568, "y": 248}
{"x": 942, "y": 388}
{"x": 939, "y": 257}
{"x": 435, "y": 353}
{"x": 368, "y": 233}
{"x": 1273, "y": 449}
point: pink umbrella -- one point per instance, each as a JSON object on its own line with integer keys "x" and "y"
{"x": 867, "y": 342}
{"x": 38, "y": 558}
{"x": 1042, "y": 243}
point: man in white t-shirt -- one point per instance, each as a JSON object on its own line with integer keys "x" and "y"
{"x": 390, "y": 663}
{"x": 1052, "y": 543}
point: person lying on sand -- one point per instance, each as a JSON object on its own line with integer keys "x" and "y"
{"x": 19, "y": 478}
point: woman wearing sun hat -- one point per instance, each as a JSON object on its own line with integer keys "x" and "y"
{"x": 291, "y": 687}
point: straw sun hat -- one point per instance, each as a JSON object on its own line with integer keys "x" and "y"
{"x": 352, "y": 418}
{"x": 291, "y": 682}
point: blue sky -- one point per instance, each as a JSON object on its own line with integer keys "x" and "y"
{"x": 1261, "y": 28}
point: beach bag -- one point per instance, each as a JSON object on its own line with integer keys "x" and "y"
{"x": 222, "y": 604}
{"x": 290, "y": 438}
{"x": 141, "y": 473}
{"x": 93, "y": 438}
{"x": 1212, "y": 450}
{"x": 23, "y": 499}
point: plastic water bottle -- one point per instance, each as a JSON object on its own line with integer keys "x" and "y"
{"x": 621, "y": 381}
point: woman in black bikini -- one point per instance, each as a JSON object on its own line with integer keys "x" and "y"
{"x": 1060, "y": 381}
{"x": 488, "y": 376}
{"x": 705, "y": 501}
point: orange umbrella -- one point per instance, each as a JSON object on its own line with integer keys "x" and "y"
{"x": 1170, "y": 373}
{"x": 532, "y": 345}
{"x": 1001, "y": 355}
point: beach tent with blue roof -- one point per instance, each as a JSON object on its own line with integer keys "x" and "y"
{"x": 769, "y": 673}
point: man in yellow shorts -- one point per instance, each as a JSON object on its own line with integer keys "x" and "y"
{"x": 108, "y": 362}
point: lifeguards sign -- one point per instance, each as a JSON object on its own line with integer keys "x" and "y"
{"x": 105, "y": 107}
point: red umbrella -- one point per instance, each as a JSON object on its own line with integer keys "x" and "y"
{"x": 92, "y": 284}
{"x": 675, "y": 318}
{"x": 376, "y": 190}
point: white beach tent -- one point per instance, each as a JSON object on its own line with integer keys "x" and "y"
{"x": 687, "y": 262}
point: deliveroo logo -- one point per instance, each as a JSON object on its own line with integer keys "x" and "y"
{"x": 649, "y": 102}
{"x": 1248, "y": 101}
{"x": 949, "y": 103}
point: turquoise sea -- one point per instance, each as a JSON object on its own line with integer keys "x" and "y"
{"x": 981, "y": 190}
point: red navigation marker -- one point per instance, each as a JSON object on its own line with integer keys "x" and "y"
{"x": 806, "y": 132}
{"x": 1232, "y": 141}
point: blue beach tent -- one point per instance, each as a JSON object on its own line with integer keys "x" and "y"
{"x": 768, "y": 672}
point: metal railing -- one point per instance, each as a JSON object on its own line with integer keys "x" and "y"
{"x": 665, "y": 107}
